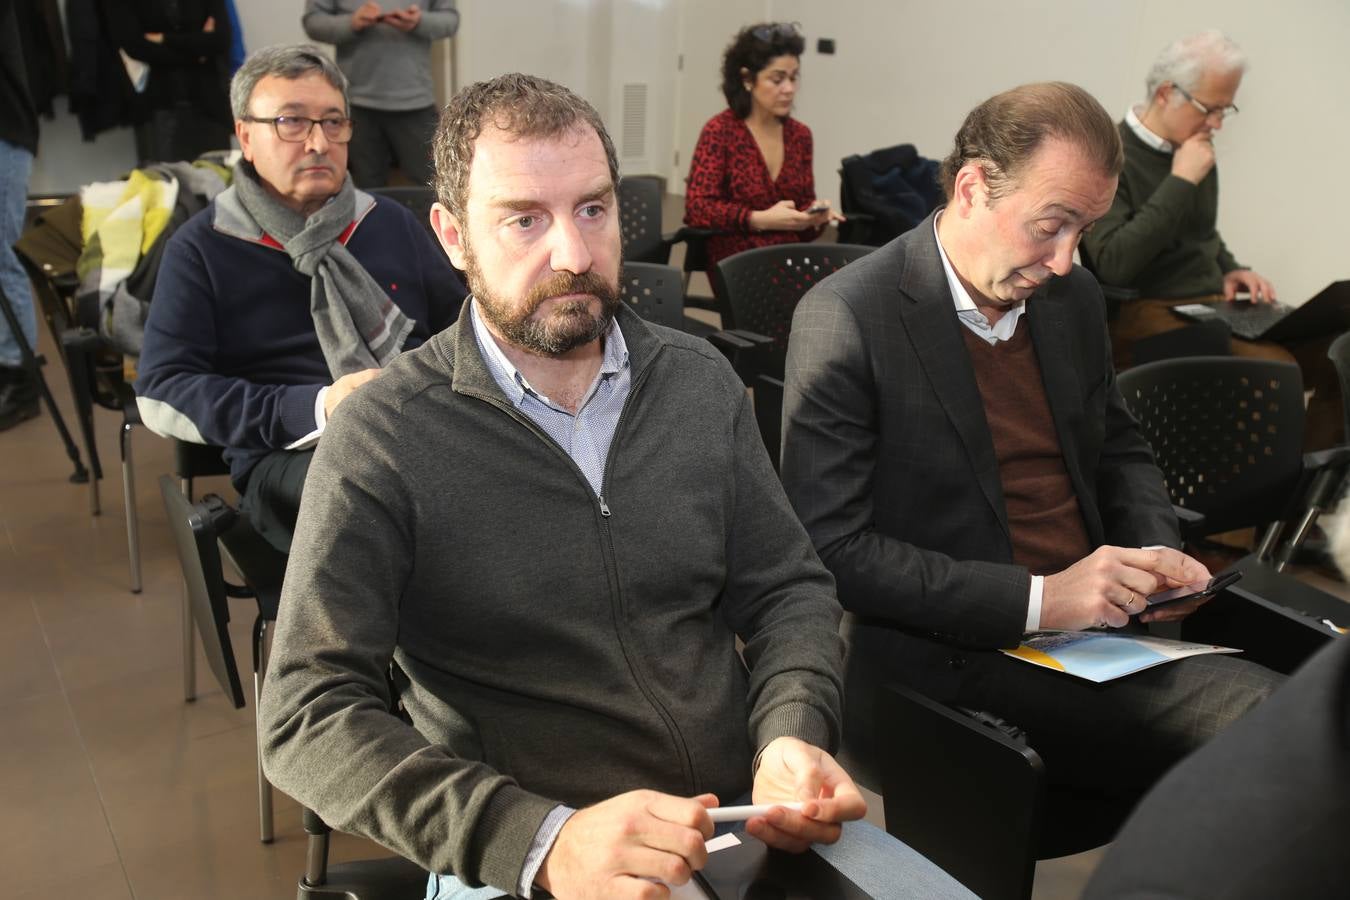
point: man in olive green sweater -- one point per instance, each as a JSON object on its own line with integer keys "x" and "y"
{"x": 1160, "y": 236}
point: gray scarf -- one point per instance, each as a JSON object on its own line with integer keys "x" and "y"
{"x": 358, "y": 326}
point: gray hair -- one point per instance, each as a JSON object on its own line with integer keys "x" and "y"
{"x": 289, "y": 61}
{"x": 1184, "y": 61}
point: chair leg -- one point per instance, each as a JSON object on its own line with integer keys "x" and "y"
{"x": 261, "y": 642}
{"x": 189, "y": 640}
{"x": 189, "y": 650}
{"x": 129, "y": 502}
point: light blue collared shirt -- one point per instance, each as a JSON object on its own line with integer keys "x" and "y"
{"x": 586, "y": 436}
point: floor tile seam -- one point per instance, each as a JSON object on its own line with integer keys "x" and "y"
{"x": 84, "y": 750}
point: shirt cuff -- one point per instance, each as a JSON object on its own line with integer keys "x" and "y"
{"x": 320, "y": 422}
{"x": 543, "y": 842}
{"x": 1034, "y": 606}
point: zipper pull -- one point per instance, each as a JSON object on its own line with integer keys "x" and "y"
{"x": 604, "y": 507}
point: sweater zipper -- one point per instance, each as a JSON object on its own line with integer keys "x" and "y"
{"x": 611, "y": 568}
{"x": 617, "y": 599}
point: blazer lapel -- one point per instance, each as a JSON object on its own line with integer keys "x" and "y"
{"x": 1064, "y": 392}
{"x": 929, "y": 314}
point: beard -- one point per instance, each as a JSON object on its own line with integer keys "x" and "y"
{"x": 568, "y": 325}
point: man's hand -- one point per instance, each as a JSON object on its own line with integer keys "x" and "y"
{"x": 613, "y": 848}
{"x": 1194, "y": 158}
{"x": 793, "y": 770}
{"x": 344, "y": 386}
{"x": 1111, "y": 584}
{"x": 405, "y": 19}
{"x": 1260, "y": 290}
{"x": 367, "y": 15}
{"x": 209, "y": 26}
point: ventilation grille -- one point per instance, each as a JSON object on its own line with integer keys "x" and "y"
{"x": 634, "y": 144}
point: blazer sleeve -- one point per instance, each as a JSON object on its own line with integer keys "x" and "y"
{"x": 832, "y": 449}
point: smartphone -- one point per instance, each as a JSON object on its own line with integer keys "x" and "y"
{"x": 819, "y": 208}
{"x": 1177, "y": 595}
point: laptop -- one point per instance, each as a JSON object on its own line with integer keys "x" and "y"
{"x": 1327, "y": 314}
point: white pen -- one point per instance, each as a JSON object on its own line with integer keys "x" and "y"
{"x": 741, "y": 813}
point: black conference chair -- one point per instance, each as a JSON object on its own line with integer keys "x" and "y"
{"x": 768, "y": 399}
{"x": 416, "y": 197}
{"x": 761, "y": 288}
{"x": 656, "y": 293}
{"x": 96, "y": 372}
{"x": 965, "y": 789}
{"x": 390, "y": 878}
{"x": 1227, "y": 433}
{"x": 641, "y": 222}
{"x": 207, "y": 534}
{"x": 1339, "y": 354}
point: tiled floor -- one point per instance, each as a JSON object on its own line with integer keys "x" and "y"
{"x": 111, "y": 786}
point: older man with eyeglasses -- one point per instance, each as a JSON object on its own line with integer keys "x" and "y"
{"x": 1160, "y": 236}
{"x": 288, "y": 292}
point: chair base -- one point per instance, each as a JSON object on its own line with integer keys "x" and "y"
{"x": 393, "y": 878}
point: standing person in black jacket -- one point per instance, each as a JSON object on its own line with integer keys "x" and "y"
{"x": 186, "y": 43}
{"x": 18, "y": 143}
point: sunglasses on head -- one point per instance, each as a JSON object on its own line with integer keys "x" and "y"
{"x": 767, "y": 33}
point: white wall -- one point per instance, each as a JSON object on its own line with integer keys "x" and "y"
{"x": 908, "y": 72}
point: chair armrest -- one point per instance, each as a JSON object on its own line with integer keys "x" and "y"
{"x": 1192, "y": 523}
{"x": 1332, "y": 457}
{"x": 686, "y": 232}
{"x": 747, "y": 351}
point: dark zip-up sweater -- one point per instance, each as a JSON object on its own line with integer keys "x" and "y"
{"x": 551, "y": 645}
{"x": 1159, "y": 236}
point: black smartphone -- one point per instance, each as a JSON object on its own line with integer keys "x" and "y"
{"x": 1177, "y": 595}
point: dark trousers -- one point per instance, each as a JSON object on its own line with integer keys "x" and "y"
{"x": 1121, "y": 736}
{"x": 272, "y": 496}
{"x": 179, "y": 132}
{"x": 381, "y": 139}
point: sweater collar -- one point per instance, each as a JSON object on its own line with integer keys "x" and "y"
{"x": 470, "y": 373}
{"x": 1141, "y": 131}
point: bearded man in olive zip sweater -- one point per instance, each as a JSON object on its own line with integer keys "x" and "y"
{"x": 555, "y": 520}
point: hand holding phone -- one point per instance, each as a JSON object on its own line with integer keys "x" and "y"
{"x": 1179, "y": 595}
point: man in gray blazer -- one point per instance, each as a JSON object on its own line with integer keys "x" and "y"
{"x": 957, "y": 448}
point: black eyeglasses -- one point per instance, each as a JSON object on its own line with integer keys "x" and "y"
{"x": 1222, "y": 112}
{"x": 767, "y": 33}
{"x": 296, "y": 129}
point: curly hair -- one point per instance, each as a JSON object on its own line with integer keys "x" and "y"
{"x": 752, "y": 49}
{"x": 524, "y": 106}
{"x": 1003, "y": 133}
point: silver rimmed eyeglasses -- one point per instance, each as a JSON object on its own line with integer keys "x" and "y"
{"x": 1222, "y": 112}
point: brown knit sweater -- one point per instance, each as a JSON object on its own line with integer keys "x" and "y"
{"x": 1048, "y": 533}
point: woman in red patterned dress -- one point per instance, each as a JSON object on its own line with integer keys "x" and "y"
{"x": 751, "y": 172}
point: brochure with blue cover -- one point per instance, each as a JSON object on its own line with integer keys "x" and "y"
{"x": 1102, "y": 655}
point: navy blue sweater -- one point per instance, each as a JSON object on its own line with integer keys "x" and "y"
{"x": 230, "y": 354}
